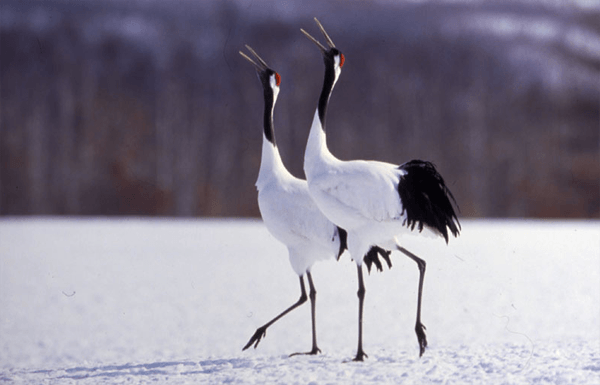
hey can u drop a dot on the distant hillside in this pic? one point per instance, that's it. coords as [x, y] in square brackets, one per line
[146, 108]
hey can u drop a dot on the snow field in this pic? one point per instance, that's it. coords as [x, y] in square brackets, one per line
[173, 301]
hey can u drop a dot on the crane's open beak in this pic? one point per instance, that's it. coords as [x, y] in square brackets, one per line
[327, 38]
[261, 66]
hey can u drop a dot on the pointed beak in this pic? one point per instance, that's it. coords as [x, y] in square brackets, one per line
[319, 45]
[327, 38]
[261, 66]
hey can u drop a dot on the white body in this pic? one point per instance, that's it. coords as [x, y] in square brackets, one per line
[359, 196]
[290, 214]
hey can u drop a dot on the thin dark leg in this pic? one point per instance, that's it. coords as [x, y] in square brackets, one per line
[262, 331]
[360, 354]
[419, 327]
[313, 300]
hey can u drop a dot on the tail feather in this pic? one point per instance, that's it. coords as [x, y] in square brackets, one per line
[426, 199]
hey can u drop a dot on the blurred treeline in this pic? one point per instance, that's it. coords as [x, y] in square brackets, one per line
[146, 108]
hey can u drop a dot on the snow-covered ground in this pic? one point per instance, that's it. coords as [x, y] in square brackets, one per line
[174, 301]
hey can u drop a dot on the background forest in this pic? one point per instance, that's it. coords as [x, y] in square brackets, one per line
[146, 107]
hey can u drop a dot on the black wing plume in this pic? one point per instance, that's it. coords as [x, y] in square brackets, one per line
[426, 199]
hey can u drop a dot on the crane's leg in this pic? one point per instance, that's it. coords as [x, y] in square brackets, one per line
[262, 331]
[360, 354]
[313, 300]
[419, 327]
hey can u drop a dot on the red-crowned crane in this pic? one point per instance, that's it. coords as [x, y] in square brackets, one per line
[375, 202]
[289, 212]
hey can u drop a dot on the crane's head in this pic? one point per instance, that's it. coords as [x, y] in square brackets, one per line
[332, 56]
[268, 77]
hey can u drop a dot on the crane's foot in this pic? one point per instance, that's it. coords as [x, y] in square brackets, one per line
[421, 337]
[258, 335]
[315, 350]
[360, 356]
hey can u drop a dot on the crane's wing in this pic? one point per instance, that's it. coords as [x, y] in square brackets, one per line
[361, 188]
[292, 216]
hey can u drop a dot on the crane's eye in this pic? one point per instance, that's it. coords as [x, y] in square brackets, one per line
[342, 59]
[277, 79]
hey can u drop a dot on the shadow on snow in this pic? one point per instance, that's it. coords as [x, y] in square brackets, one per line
[170, 368]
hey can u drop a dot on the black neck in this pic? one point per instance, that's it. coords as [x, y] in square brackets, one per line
[326, 92]
[268, 117]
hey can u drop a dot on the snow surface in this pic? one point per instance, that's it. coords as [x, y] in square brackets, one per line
[98, 301]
